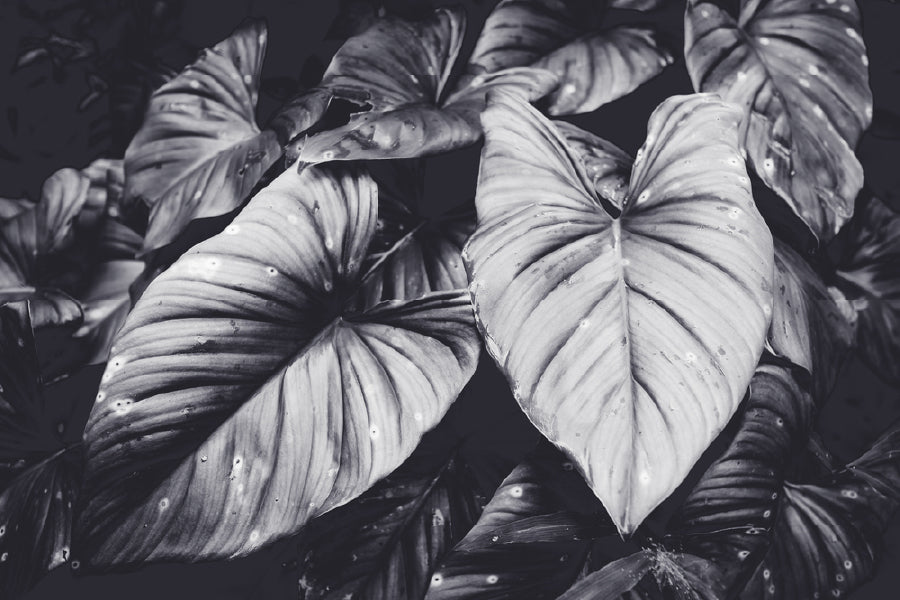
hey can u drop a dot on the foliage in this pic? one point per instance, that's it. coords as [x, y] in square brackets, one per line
[286, 321]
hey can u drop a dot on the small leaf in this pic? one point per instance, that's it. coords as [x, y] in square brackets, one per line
[386, 543]
[869, 274]
[238, 386]
[636, 4]
[613, 580]
[199, 152]
[825, 542]
[601, 67]
[629, 341]
[38, 476]
[809, 326]
[800, 73]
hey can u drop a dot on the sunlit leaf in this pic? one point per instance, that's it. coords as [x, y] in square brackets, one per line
[38, 477]
[601, 67]
[813, 326]
[826, 540]
[628, 341]
[386, 543]
[199, 152]
[870, 276]
[241, 400]
[800, 72]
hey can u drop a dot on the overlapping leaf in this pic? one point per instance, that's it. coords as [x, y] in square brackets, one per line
[870, 276]
[826, 539]
[611, 330]
[400, 69]
[605, 163]
[38, 476]
[241, 399]
[813, 326]
[800, 72]
[199, 152]
[530, 541]
[386, 543]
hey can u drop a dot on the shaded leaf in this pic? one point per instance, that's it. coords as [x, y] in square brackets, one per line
[636, 4]
[386, 543]
[601, 67]
[825, 542]
[812, 325]
[238, 386]
[606, 164]
[199, 152]
[869, 274]
[799, 71]
[622, 318]
[613, 580]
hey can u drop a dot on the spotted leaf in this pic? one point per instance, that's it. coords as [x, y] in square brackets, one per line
[628, 341]
[239, 389]
[799, 70]
[868, 274]
[199, 151]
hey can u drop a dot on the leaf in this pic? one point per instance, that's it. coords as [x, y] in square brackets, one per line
[530, 541]
[636, 4]
[651, 323]
[608, 166]
[601, 67]
[812, 326]
[826, 539]
[38, 478]
[385, 543]
[727, 517]
[869, 274]
[199, 152]
[800, 73]
[400, 69]
[613, 580]
[238, 366]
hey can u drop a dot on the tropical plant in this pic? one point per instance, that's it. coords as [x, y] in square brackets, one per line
[286, 320]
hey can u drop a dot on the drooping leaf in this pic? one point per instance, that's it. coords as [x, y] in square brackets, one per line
[400, 69]
[606, 164]
[812, 325]
[826, 540]
[869, 275]
[530, 541]
[199, 152]
[601, 67]
[728, 515]
[38, 477]
[799, 71]
[386, 543]
[628, 341]
[239, 389]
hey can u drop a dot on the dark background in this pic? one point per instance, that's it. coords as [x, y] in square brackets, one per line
[68, 68]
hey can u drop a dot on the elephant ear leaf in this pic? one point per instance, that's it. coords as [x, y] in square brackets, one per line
[38, 473]
[869, 274]
[385, 544]
[825, 541]
[813, 325]
[236, 392]
[800, 72]
[533, 538]
[628, 341]
[728, 515]
[199, 152]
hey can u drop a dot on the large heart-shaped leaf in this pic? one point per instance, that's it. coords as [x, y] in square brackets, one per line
[239, 388]
[38, 476]
[800, 72]
[869, 274]
[199, 152]
[628, 341]
[400, 69]
[727, 517]
[601, 67]
[826, 539]
[813, 325]
[386, 543]
[530, 542]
